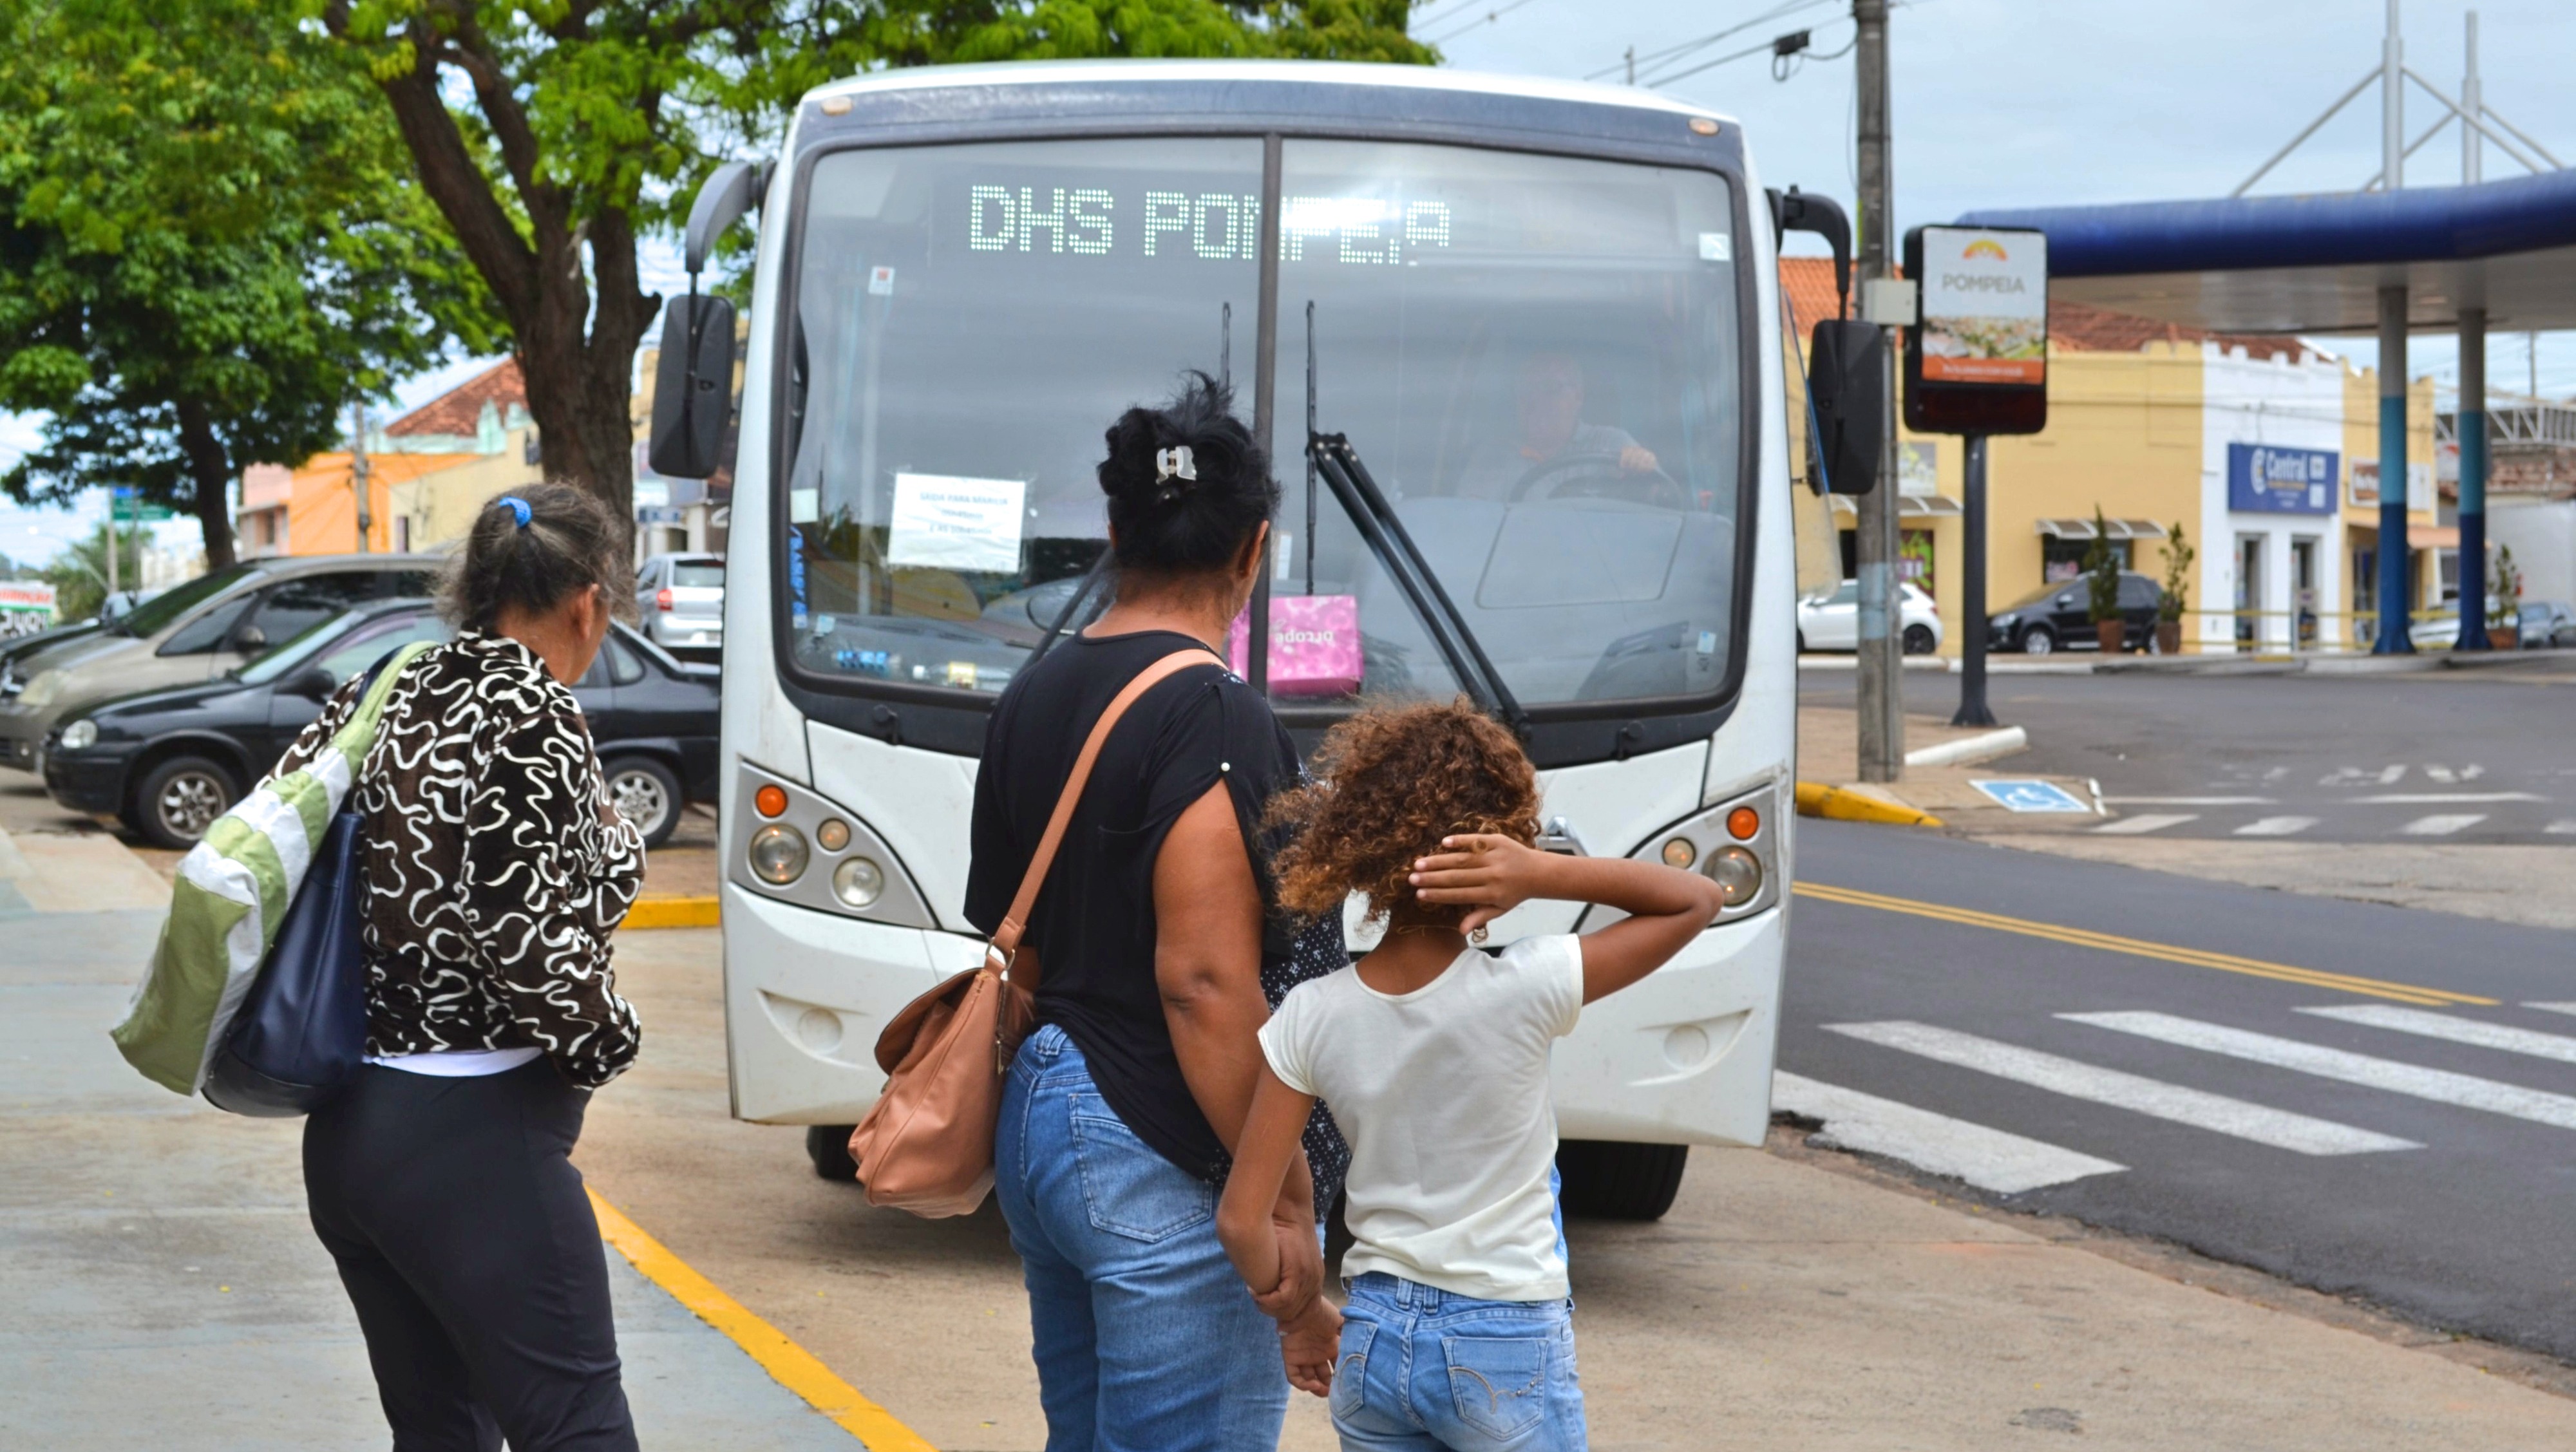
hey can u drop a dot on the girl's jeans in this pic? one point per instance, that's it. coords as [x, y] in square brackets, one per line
[1423, 1370]
[1146, 1340]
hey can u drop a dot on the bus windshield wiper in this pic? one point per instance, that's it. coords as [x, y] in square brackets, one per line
[1339, 465]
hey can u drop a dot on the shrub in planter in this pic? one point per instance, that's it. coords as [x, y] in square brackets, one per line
[2170, 605]
[2102, 586]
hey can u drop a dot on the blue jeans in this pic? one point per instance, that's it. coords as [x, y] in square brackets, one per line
[1146, 1340]
[1424, 1370]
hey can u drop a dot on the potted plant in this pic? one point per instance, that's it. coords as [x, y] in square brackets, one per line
[2504, 626]
[2102, 587]
[2169, 606]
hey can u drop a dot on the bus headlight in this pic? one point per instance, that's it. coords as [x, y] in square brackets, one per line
[778, 853]
[858, 881]
[81, 735]
[1737, 873]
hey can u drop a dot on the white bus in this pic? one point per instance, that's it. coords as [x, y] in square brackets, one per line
[1515, 349]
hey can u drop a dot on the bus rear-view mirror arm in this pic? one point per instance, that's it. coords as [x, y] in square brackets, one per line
[693, 379]
[1846, 360]
[1387, 538]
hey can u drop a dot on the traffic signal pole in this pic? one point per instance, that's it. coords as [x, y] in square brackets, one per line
[1881, 642]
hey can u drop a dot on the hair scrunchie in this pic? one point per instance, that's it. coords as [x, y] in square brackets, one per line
[518, 508]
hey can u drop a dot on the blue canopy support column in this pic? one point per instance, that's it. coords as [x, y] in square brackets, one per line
[2392, 638]
[2473, 476]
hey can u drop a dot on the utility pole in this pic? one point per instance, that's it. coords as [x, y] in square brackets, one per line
[2472, 413]
[111, 544]
[1882, 692]
[359, 478]
[1632, 63]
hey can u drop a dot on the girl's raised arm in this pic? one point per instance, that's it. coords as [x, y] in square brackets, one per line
[1491, 875]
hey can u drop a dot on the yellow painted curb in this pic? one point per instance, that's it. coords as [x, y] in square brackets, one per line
[796, 1368]
[672, 912]
[1815, 799]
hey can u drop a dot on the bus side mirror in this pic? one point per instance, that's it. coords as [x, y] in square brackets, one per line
[1847, 384]
[692, 387]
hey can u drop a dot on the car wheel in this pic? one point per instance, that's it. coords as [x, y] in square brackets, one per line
[2038, 640]
[1614, 1181]
[1918, 640]
[180, 798]
[646, 793]
[828, 1146]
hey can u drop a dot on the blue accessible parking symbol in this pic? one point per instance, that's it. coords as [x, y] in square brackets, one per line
[2032, 796]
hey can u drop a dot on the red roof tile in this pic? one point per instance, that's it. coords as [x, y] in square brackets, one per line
[460, 409]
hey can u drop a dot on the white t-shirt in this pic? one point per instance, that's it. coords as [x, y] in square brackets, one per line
[1443, 1094]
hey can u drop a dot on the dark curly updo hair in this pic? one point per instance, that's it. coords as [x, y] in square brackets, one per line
[566, 540]
[1392, 781]
[1168, 526]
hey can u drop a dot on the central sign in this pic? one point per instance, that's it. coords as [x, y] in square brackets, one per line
[2270, 479]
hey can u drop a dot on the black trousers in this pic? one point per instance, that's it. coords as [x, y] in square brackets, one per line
[471, 1254]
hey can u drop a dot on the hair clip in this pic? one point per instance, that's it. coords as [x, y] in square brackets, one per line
[1177, 461]
[518, 507]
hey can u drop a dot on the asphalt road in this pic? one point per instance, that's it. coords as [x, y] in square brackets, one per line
[2456, 756]
[2362, 1158]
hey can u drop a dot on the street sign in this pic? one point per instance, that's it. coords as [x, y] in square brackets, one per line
[1977, 363]
[2032, 795]
[122, 492]
[146, 513]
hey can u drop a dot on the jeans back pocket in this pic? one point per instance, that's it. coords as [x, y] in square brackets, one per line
[1499, 1383]
[1350, 1366]
[1127, 1188]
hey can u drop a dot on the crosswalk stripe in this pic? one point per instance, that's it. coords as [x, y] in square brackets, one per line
[2440, 1085]
[2276, 827]
[2566, 828]
[2553, 1007]
[2078, 1080]
[2144, 823]
[1990, 1159]
[2457, 1030]
[2442, 824]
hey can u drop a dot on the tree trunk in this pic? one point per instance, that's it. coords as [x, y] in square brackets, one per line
[210, 469]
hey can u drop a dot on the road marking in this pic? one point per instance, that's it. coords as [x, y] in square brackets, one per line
[2442, 774]
[795, 1368]
[2440, 1085]
[2441, 824]
[2391, 775]
[2562, 829]
[2457, 1030]
[2139, 826]
[2189, 801]
[1987, 1158]
[2435, 799]
[2553, 1007]
[2078, 1080]
[2276, 827]
[2140, 947]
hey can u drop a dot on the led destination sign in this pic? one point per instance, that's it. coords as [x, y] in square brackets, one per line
[1206, 225]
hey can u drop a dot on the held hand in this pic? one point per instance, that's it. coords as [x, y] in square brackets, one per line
[1637, 459]
[1491, 875]
[1301, 1273]
[1309, 1345]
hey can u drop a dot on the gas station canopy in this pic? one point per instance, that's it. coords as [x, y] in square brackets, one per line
[2315, 264]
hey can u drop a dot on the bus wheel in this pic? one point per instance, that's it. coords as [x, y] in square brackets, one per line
[828, 1146]
[1611, 1181]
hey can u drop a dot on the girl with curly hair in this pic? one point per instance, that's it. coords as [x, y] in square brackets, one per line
[1434, 1055]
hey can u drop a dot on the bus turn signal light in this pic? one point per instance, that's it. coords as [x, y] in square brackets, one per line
[1742, 823]
[770, 800]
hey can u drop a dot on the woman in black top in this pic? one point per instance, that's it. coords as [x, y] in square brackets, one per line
[1151, 938]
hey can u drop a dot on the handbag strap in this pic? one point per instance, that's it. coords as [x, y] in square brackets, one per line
[1005, 944]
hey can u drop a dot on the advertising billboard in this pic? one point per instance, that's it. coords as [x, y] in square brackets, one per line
[2270, 479]
[1977, 360]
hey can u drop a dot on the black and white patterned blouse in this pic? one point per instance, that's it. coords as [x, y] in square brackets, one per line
[495, 868]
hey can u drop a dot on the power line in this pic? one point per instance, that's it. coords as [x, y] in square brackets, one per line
[1675, 52]
[1488, 18]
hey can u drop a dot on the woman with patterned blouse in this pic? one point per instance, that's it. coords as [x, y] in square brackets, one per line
[495, 870]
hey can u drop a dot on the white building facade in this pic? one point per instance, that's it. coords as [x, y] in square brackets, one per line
[2272, 482]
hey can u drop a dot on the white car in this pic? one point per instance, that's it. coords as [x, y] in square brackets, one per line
[1830, 619]
[681, 598]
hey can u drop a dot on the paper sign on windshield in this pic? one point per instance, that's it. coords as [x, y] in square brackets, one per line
[1985, 306]
[945, 522]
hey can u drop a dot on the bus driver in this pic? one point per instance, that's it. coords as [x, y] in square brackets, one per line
[1549, 403]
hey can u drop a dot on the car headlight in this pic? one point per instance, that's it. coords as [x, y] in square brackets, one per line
[81, 735]
[42, 690]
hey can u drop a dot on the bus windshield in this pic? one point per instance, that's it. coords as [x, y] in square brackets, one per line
[1538, 357]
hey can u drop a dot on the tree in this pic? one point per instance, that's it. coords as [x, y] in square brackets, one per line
[209, 245]
[593, 121]
[79, 572]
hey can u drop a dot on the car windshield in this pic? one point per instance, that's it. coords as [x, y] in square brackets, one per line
[698, 574]
[297, 648]
[1537, 358]
[2044, 592]
[155, 614]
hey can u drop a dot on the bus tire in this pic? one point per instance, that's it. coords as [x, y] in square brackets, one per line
[1605, 1180]
[828, 1146]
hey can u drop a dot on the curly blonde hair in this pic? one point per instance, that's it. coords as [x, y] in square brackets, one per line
[1392, 781]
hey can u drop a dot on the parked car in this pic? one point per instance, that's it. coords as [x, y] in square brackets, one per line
[169, 761]
[681, 598]
[2548, 623]
[1830, 619]
[2060, 617]
[191, 633]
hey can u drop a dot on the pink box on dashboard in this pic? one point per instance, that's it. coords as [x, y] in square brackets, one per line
[1314, 645]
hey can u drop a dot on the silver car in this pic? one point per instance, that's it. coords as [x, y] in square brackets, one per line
[681, 599]
[191, 632]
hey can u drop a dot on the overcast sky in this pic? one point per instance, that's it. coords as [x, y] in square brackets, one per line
[1996, 103]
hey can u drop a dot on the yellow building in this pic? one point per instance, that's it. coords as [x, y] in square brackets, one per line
[428, 473]
[2150, 422]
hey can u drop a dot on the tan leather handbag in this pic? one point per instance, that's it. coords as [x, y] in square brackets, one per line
[927, 1144]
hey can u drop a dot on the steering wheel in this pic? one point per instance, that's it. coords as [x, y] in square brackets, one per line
[1602, 479]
